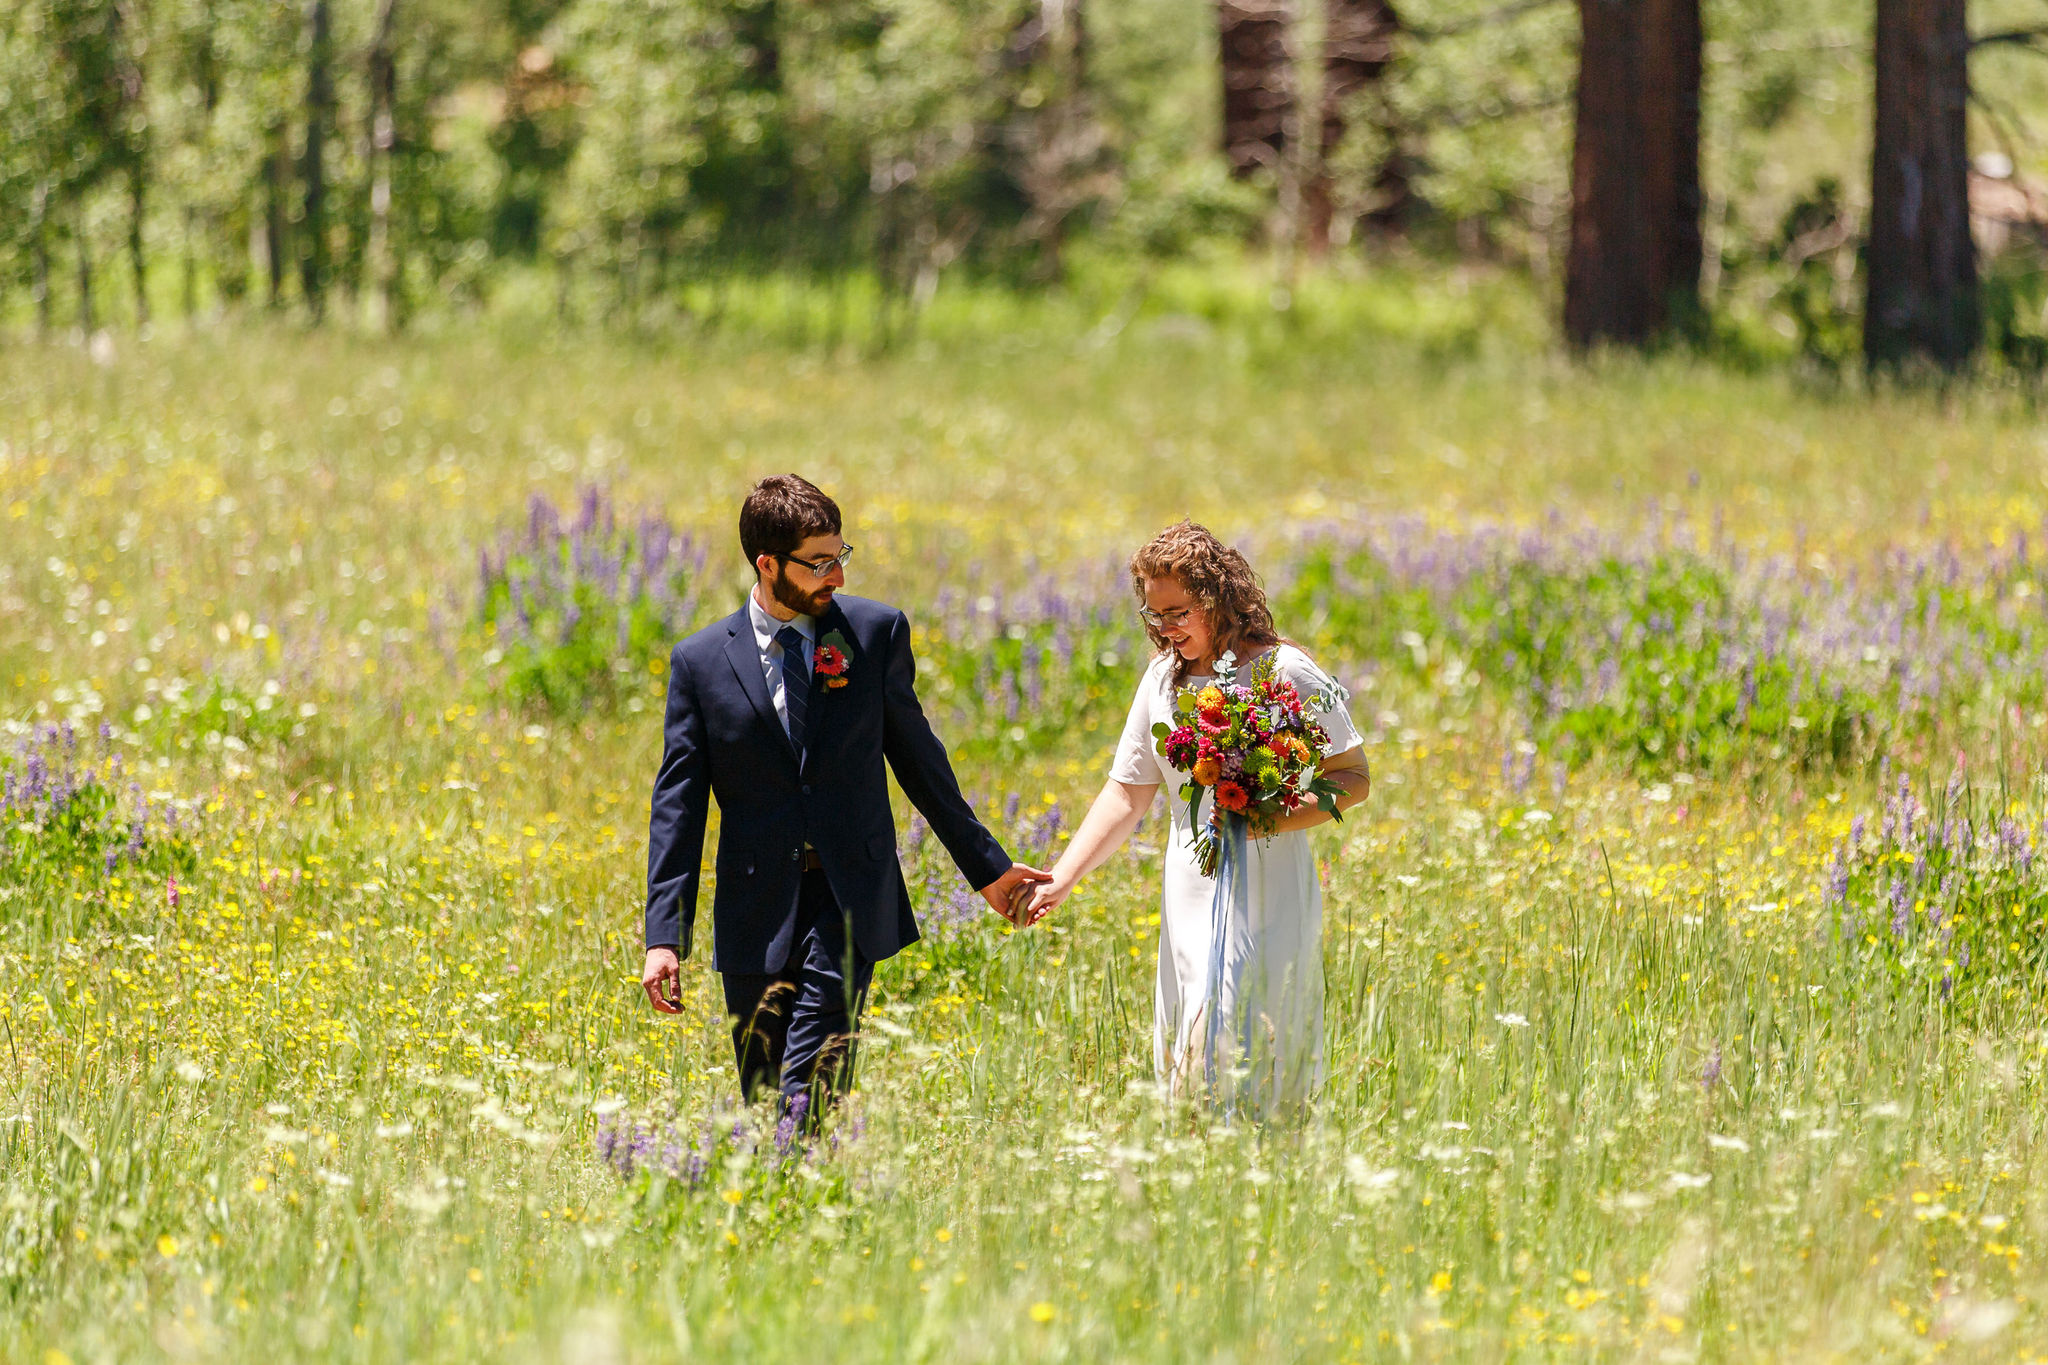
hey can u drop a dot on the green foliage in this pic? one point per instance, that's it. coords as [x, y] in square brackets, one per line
[71, 837]
[2016, 310]
[645, 156]
[1949, 899]
[581, 615]
[1013, 687]
[1657, 660]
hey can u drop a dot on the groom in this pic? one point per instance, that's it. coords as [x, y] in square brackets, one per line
[785, 712]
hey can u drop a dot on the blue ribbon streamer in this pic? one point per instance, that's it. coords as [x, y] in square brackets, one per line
[1227, 906]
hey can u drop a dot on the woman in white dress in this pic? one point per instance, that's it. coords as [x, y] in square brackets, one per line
[1200, 601]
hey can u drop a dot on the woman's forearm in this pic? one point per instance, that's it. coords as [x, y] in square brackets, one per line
[1115, 813]
[1347, 771]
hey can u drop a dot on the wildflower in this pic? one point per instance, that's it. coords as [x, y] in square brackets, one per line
[1511, 1020]
[1043, 1312]
[167, 1246]
[1710, 1075]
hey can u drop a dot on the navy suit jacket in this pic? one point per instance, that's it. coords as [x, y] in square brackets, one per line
[724, 740]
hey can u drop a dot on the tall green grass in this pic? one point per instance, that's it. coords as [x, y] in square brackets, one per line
[1606, 1080]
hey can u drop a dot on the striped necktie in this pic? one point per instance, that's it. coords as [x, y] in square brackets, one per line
[796, 685]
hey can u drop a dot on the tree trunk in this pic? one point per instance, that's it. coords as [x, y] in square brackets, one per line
[1634, 266]
[383, 139]
[86, 319]
[136, 264]
[1258, 83]
[313, 166]
[757, 28]
[276, 170]
[39, 247]
[1922, 292]
[1358, 45]
[1058, 144]
[190, 292]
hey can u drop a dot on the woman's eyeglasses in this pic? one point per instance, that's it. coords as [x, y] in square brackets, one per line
[1165, 620]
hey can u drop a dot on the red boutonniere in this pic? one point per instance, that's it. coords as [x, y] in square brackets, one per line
[830, 660]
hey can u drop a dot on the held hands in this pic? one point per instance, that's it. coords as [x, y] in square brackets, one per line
[1006, 893]
[1045, 899]
[662, 979]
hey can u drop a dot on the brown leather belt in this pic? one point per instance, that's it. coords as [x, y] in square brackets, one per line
[812, 862]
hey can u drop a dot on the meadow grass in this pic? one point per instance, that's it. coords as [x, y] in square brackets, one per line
[320, 933]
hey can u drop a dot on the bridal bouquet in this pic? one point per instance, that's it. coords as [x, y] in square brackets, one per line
[1252, 742]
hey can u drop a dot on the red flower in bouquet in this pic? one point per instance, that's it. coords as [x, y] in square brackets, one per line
[1231, 797]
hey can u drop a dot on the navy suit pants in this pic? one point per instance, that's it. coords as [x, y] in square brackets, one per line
[795, 1029]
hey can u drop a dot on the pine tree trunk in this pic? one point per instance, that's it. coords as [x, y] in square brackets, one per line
[276, 169]
[39, 247]
[757, 27]
[1922, 283]
[1258, 83]
[136, 263]
[87, 321]
[1634, 267]
[383, 139]
[313, 167]
[190, 293]
[1358, 45]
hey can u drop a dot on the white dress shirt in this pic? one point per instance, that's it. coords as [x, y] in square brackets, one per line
[765, 627]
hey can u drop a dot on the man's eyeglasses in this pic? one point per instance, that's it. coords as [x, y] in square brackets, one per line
[1165, 620]
[822, 567]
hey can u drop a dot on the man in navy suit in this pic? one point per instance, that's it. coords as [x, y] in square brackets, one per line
[786, 712]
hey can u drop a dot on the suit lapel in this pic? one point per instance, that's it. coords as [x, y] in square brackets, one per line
[745, 657]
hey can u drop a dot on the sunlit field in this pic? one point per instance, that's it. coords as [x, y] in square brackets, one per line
[1686, 971]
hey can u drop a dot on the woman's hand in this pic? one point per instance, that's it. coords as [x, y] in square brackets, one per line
[1349, 771]
[1108, 823]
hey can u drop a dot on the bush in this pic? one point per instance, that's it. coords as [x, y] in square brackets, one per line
[583, 610]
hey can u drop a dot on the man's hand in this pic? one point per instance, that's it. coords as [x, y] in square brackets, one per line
[662, 979]
[1002, 892]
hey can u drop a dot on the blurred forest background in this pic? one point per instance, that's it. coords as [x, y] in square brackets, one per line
[1828, 182]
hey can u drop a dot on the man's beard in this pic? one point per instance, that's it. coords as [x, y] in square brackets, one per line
[796, 599]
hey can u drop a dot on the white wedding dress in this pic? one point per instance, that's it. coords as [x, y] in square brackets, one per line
[1269, 991]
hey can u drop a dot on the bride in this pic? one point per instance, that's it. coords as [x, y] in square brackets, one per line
[1200, 602]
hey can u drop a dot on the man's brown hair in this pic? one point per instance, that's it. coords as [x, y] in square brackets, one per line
[781, 512]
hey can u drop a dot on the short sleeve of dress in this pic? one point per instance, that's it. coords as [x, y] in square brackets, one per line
[1309, 680]
[1136, 761]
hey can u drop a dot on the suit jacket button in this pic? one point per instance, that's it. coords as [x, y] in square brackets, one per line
[807, 789]
[796, 854]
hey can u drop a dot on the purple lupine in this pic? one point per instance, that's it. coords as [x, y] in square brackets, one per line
[1837, 889]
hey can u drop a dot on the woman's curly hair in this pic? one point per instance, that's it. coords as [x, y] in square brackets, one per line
[1219, 579]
